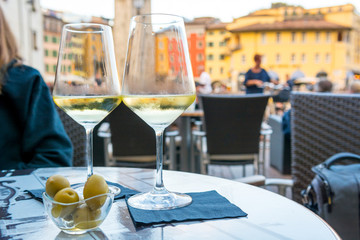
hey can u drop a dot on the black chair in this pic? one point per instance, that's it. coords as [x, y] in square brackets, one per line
[129, 141]
[322, 124]
[232, 124]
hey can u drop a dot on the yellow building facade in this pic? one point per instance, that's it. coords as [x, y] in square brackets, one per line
[293, 38]
[216, 51]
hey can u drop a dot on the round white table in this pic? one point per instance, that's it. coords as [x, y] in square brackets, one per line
[270, 216]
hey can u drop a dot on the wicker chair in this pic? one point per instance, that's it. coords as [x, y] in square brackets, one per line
[232, 124]
[77, 136]
[322, 124]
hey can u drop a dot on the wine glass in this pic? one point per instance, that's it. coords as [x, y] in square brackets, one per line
[86, 83]
[158, 86]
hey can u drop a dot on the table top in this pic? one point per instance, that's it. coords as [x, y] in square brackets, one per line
[270, 216]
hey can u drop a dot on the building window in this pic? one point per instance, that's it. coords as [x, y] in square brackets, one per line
[34, 36]
[278, 36]
[199, 44]
[243, 59]
[348, 58]
[222, 32]
[210, 57]
[161, 57]
[293, 58]
[328, 58]
[161, 45]
[54, 68]
[46, 38]
[200, 57]
[263, 38]
[340, 36]
[328, 37]
[278, 59]
[54, 53]
[46, 52]
[222, 44]
[303, 58]
[348, 37]
[54, 40]
[172, 58]
[210, 70]
[210, 33]
[210, 44]
[69, 68]
[293, 37]
[221, 70]
[303, 37]
[317, 37]
[222, 56]
[47, 67]
[317, 58]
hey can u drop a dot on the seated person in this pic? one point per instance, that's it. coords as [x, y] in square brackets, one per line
[31, 132]
[323, 86]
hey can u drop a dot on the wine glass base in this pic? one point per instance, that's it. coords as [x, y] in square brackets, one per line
[159, 201]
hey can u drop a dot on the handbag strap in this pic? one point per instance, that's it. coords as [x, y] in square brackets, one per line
[340, 157]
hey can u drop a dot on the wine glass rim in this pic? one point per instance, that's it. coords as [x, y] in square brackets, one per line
[175, 18]
[100, 27]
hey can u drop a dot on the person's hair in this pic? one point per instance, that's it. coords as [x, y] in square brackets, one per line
[324, 86]
[257, 57]
[355, 86]
[8, 47]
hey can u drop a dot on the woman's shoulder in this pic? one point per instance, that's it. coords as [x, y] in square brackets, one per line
[22, 79]
[22, 72]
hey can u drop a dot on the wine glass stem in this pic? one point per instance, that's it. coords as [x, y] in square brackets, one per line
[159, 185]
[89, 150]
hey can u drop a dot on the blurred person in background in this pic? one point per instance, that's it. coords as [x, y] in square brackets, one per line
[323, 86]
[31, 132]
[355, 86]
[256, 77]
[203, 86]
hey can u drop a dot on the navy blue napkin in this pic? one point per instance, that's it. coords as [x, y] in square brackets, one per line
[37, 193]
[204, 206]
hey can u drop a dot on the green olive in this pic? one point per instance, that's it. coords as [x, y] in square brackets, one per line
[55, 183]
[85, 218]
[94, 186]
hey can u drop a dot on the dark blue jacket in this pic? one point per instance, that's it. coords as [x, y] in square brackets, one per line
[31, 132]
[262, 75]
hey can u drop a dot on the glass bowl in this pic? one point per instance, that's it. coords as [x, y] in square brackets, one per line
[79, 217]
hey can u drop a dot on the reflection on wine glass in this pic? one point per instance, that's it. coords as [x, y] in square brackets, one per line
[158, 86]
[86, 83]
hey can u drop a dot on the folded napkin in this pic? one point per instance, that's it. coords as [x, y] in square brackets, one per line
[205, 205]
[37, 193]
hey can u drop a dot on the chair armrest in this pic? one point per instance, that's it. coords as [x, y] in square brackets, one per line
[199, 133]
[255, 180]
[172, 133]
[104, 130]
[279, 182]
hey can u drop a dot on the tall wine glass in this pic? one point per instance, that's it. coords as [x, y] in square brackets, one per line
[86, 83]
[158, 86]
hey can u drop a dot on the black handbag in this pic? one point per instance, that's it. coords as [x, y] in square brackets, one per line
[334, 193]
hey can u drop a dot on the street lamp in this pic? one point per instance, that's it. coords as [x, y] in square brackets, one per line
[138, 4]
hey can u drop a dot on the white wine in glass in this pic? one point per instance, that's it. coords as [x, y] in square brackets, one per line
[158, 86]
[86, 83]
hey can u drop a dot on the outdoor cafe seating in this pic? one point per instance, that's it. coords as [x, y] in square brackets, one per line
[232, 130]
